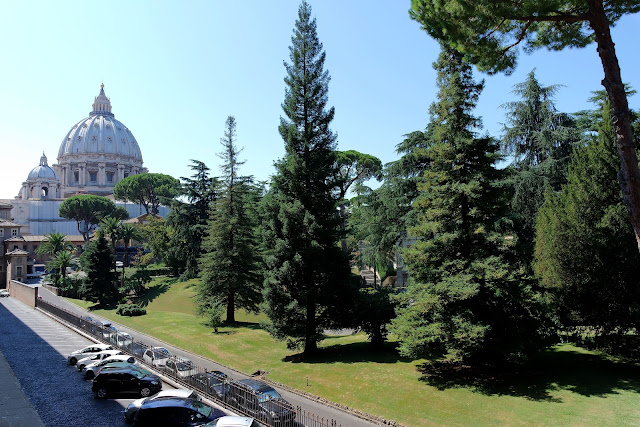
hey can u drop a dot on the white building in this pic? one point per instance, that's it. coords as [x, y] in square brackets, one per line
[96, 153]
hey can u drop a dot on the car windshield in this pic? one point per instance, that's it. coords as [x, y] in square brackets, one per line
[138, 374]
[184, 366]
[202, 408]
[268, 395]
[160, 353]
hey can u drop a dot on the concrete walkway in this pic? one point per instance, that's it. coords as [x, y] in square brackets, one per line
[367, 274]
[15, 408]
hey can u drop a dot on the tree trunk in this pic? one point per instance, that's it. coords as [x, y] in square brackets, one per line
[342, 229]
[629, 174]
[231, 307]
[310, 344]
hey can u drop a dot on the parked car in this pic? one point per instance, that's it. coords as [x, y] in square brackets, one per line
[180, 368]
[156, 356]
[90, 370]
[174, 412]
[108, 330]
[4, 293]
[261, 401]
[87, 352]
[133, 407]
[229, 421]
[125, 380]
[123, 365]
[215, 383]
[121, 339]
[96, 358]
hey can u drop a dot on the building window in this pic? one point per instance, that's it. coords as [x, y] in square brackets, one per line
[110, 176]
[93, 176]
[1, 267]
[14, 232]
[126, 174]
[19, 271]
[1, 232]
[15, 247]
[76, 177]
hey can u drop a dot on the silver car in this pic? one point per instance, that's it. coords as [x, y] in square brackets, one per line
[133, 407]
[88, 351]
[156, 356]
[92, 369]
[95, 358]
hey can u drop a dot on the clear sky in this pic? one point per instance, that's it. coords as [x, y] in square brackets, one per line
[175, 70]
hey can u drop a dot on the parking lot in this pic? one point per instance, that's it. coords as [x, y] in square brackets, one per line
[35, 347]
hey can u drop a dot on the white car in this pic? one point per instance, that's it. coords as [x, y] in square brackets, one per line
[156, 356]
[133, 407]
[87, 352]
[92, 369]
[4, 293]
[229, 421]
[179, 367]
[96, 358]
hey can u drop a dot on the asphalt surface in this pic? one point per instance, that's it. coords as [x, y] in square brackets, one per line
[35, 347]
[315, 407]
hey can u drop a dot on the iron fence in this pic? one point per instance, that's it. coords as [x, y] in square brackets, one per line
[250, 397]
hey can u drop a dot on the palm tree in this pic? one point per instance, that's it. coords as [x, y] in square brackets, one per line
[61, 262]
[128, 232]
[54, 243]
[111, 228]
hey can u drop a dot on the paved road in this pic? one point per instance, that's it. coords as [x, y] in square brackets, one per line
[310, 405]
[35, 346]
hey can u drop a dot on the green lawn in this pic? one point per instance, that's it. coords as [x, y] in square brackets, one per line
[565, 386]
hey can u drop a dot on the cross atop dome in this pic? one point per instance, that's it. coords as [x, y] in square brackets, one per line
[101, 104]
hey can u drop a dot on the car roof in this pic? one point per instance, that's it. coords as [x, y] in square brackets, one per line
[256, 385]
[231, 421]
[178, 392]
[169, 401]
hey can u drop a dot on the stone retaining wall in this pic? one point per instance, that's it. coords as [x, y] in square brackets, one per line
[24, 293]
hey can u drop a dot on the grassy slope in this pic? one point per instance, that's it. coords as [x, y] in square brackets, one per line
[567, 386]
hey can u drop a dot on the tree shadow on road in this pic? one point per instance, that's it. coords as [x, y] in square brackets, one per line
[563, 368]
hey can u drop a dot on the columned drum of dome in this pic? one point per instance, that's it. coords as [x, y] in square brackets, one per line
[97, 152]
[42, 182]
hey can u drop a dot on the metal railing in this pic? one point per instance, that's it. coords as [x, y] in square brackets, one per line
[250, 397]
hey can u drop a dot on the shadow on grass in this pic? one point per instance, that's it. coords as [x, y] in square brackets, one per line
[555, 369]
[350, 353]
[154, 292]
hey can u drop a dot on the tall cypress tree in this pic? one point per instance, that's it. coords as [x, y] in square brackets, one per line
[465, 301]
[228, 266]
[306, 271]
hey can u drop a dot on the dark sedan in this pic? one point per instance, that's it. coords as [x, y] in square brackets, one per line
[175, 412]
[125, 380]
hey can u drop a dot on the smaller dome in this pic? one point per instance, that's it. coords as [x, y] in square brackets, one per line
[43, 171]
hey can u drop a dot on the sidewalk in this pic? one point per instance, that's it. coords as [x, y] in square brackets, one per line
[15, 408]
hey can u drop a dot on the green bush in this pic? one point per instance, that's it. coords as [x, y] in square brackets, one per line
[130, 310]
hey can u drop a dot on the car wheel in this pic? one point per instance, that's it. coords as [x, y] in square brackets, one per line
[130, 418]
[145, 392]
[101, 393]
[73, 361]
[89, 375]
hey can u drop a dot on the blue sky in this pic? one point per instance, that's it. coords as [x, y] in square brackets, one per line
[175, 70]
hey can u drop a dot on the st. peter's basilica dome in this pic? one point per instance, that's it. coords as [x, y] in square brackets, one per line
[98, 152]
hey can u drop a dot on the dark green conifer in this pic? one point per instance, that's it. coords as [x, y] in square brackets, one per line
[465, 300]
[306, 272]
[229, 264]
